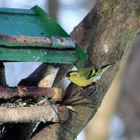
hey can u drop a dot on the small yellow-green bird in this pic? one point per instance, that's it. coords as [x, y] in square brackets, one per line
[86, 76]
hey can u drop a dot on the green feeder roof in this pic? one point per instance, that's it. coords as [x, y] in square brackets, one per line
[31, 35]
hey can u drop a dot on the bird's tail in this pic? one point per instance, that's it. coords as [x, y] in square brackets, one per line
[105, 67]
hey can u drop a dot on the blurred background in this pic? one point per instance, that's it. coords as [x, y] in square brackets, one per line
[118, 117]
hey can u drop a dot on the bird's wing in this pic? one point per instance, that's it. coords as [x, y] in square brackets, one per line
[87, 72]
[92, 73]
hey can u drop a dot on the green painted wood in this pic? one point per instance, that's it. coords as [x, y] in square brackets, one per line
[42, 55]
[82, 57]
[33, 23]
[30, 35]
[50, 22]
[17, 11]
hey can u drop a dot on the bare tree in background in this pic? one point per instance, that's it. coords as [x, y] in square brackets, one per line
[88, 4]
[105, 33]
[129, 101]
[53, 6]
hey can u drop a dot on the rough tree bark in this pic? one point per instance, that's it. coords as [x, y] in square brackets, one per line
[106, 33]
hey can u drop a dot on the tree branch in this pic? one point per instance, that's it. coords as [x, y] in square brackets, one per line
[112, 29]
[24, 91]
[48, 113]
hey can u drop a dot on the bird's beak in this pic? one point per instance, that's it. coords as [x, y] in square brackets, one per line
[68, 74]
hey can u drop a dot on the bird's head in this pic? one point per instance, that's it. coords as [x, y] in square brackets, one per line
[72, 74]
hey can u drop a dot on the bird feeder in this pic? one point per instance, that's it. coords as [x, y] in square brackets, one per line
[30, 35]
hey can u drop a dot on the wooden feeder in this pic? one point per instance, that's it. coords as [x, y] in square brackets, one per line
[30, 35]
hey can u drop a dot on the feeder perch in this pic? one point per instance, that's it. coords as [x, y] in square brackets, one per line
[30, 35]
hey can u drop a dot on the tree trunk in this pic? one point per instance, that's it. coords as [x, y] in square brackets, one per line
[105, 33]
[53, 6]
